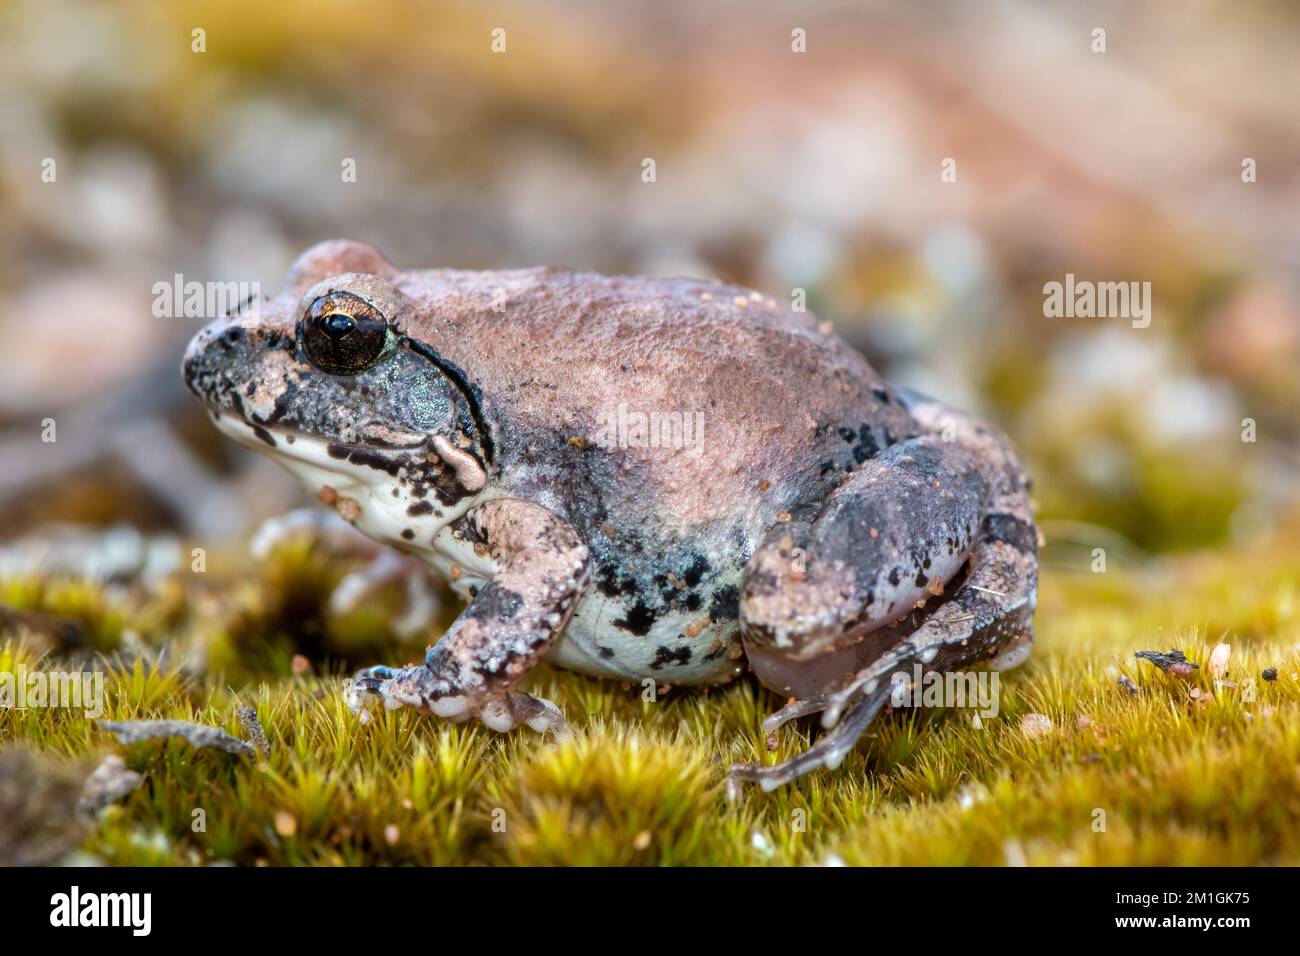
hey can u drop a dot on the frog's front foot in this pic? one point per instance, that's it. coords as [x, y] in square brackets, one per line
[420, 687]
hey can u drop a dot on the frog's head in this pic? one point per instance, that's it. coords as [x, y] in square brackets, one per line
[326, 380]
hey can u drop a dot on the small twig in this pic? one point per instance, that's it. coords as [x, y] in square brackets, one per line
[197, 735]
[253, 729]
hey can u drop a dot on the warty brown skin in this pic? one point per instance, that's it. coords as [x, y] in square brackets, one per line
[817, 518]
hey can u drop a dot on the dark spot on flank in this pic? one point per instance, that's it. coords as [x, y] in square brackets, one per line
[666, 655]
[265, 435]
[609, 585]
[605, 652]
[695, 572]
[726, 604]
[867, 447]
[1011, 530]
[418, 508]
[495, 602]
[408, 534]
[882, 396]
[893, 576]
[693, 601]
[845, 433]
[639, 620]
[921, 579]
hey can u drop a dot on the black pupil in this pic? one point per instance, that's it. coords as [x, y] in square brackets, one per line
[342, 334]
[337, 324]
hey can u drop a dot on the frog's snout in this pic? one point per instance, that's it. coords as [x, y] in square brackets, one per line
[216, 351]
[222, 358]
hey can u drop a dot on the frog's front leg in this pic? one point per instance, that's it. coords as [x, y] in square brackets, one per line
[541, 570]
[925, 556]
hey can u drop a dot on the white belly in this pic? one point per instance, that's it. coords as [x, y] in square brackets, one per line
[592, 644]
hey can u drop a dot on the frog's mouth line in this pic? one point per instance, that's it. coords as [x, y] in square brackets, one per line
[307, 457]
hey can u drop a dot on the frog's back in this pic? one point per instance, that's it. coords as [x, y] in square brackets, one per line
[574, 353]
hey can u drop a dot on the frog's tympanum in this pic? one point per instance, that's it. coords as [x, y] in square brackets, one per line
[635, 478]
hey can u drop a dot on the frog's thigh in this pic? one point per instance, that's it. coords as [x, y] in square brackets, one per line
[889, 538]
[474, 669]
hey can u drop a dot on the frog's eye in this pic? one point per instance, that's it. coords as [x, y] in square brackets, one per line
[342, 334]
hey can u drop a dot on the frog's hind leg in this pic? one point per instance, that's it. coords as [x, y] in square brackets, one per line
[835, 587]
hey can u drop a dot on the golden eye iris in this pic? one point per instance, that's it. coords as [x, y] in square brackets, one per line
[342, 334]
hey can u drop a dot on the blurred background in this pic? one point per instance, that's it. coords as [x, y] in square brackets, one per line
[818, 170]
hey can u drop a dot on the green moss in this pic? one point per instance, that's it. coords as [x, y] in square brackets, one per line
[1182, 773]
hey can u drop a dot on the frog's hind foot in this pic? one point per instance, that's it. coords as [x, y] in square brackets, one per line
[793, 711]
[829, 750]
[986, 621]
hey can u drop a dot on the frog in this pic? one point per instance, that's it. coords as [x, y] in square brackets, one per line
[639, 478]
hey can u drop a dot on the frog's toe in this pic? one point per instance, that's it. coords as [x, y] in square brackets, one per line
[392, 686]
[314, 523]
[793, 711]
[829, 750]
[418, 687]
[509, 711]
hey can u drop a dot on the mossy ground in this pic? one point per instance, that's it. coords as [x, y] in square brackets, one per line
[1182, 773]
